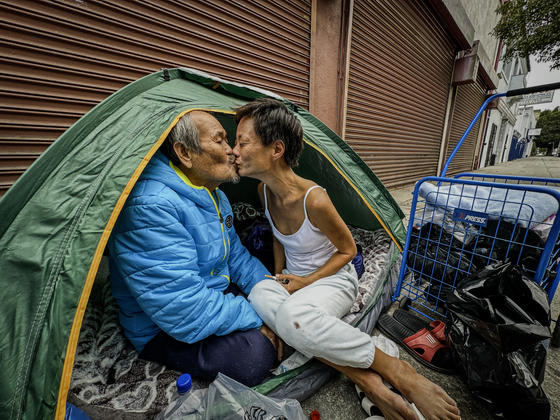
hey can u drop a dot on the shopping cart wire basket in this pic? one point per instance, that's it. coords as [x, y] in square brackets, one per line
[459, 225]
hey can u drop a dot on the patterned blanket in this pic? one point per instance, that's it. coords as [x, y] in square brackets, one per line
[110, 381]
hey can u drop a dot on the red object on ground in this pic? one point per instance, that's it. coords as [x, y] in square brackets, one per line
[315, 415]
[424, 344]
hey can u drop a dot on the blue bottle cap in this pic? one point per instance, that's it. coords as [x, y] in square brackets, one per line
[184, 383]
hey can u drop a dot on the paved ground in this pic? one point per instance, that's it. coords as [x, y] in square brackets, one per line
[337, 399]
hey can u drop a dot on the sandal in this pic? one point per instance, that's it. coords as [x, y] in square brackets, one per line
[415, 323]
[422, 345]
[374, 411]
[370, 408]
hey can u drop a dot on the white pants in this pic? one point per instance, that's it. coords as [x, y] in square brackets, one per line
[309, 319]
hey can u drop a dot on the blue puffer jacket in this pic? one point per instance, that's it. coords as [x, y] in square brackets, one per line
[171, 259]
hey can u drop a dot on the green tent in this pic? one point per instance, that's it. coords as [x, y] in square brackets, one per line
[56, 219]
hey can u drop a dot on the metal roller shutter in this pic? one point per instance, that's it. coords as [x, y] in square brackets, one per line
[400, 69]
[469, 99]
[58, 59]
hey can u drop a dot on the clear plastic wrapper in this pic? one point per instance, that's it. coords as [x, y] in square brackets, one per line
[226, 399]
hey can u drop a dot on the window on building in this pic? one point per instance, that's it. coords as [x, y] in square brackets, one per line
[507, 70]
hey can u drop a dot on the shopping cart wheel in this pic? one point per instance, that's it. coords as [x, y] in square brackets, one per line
[405, 303]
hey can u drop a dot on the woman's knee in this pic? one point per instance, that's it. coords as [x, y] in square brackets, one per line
[293, 323]
[265, 298]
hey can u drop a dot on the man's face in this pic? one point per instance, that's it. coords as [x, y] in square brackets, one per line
[215, 164]
[251, 156]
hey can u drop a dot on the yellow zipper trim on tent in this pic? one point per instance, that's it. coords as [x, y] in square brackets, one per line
[358, 192]
[82, 304]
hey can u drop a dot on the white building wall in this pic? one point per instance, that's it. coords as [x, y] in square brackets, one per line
[525, 121]
[506, 115]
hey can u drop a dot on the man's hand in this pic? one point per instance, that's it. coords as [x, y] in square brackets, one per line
[276, 341]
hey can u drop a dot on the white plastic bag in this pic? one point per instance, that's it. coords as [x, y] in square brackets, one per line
[294, 361]
[226, 399]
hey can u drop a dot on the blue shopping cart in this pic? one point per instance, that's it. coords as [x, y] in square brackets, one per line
[459, 225]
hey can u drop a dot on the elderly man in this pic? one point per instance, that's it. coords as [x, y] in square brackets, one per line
[177, 265]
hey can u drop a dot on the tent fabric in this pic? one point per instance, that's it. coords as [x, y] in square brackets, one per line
[59, 214]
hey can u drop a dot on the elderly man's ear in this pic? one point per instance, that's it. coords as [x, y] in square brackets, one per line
[184, 155]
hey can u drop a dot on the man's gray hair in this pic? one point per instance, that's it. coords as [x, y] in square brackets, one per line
[186, 133]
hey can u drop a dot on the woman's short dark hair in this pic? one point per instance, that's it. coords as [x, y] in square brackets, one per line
[272, 120]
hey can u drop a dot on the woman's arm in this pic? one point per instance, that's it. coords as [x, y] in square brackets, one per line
[279, 255]
[323, 215]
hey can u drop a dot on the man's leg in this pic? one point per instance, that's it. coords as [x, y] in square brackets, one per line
[246, 356]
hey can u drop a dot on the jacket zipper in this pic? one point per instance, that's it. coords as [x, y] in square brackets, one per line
[219, 212]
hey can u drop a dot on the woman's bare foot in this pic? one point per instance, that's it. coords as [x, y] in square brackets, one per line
[391, 405]
[432, 401]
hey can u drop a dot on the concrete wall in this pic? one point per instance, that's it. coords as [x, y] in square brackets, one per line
[326, 38]
[483, 18]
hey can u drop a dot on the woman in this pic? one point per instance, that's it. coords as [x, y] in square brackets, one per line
[316, 283]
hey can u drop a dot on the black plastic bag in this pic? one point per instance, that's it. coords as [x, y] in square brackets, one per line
[498, 319]
[259, 243]
[503, 305]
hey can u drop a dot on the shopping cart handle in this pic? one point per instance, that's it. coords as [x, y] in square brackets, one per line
[533, 89]
[515, 92]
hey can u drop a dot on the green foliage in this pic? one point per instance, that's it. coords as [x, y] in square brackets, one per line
[549, 121]
[530, 27]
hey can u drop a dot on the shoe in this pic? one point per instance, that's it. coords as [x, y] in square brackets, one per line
[370, 408]
[415, 323]
[422, 345]
[374, 411]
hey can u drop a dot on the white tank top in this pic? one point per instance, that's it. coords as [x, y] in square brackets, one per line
[307, 249]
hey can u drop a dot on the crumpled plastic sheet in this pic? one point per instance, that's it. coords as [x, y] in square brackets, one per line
[227, 399]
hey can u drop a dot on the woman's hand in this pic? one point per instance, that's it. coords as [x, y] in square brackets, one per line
[291, 282]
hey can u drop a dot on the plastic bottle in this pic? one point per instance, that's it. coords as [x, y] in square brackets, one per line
[184, 383]
[176, 408]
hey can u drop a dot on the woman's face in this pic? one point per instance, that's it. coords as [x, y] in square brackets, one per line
[251, 156]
